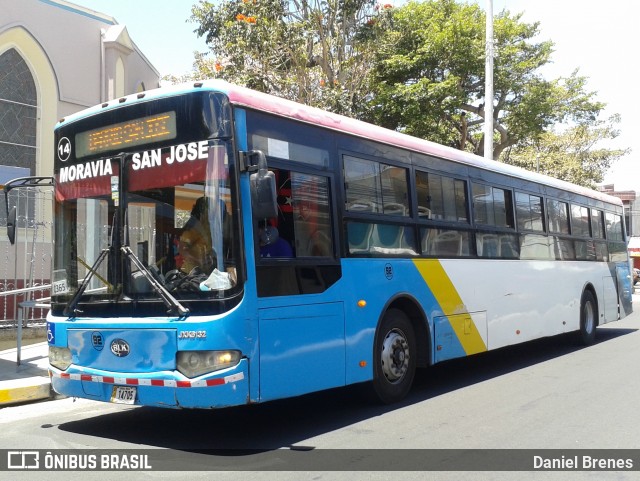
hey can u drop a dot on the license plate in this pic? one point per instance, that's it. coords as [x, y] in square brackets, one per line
[123, 394]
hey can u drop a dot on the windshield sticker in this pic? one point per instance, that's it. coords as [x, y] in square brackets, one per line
[59, 285]
[115, 191]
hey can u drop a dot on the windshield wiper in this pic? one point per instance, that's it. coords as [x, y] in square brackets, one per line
[171, 302]
[73, 303]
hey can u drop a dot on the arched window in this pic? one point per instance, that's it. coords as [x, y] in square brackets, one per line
[18, 112]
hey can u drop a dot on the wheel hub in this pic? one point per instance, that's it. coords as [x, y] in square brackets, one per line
[589, 317]
[395, 356]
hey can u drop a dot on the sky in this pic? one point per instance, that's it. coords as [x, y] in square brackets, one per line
[160, 28]
[597, 38]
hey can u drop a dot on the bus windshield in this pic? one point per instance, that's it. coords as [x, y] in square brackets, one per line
[159, 236]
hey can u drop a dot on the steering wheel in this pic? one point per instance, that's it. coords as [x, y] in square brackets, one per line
[177, 280]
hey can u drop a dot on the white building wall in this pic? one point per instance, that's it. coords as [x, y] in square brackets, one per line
[71, 37]
[73, 55]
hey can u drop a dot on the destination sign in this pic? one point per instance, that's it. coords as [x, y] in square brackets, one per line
[123, 135]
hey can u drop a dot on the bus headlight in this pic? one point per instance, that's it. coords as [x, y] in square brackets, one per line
[60, 357]
[196, 363]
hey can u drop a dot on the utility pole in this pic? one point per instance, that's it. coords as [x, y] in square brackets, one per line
[488, 88]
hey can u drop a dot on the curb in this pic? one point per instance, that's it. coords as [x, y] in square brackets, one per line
[35, 391]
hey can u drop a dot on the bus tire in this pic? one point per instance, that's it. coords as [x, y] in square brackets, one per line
[394, 357]
[586, 335]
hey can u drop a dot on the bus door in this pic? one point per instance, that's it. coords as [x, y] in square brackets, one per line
[301, 326]
[625, 288]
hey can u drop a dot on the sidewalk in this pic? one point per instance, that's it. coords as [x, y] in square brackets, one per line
[30, 380]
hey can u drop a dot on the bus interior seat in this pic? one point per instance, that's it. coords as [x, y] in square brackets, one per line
[393, 208]
[388, 236]
[361, 206]
[507, 247]
[448, 243]
[424, 212]
[359, 236]
[487, 245]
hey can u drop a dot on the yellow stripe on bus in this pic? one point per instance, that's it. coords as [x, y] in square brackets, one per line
[451, 304]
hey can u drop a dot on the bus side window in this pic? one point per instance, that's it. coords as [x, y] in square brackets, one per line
[275, 236]
[311, 215]
[303, 220]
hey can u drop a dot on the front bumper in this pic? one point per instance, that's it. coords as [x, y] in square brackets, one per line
[228, 387]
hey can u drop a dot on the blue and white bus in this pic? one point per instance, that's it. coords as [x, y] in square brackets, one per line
[216, 246]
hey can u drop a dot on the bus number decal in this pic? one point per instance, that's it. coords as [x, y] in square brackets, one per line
[64, 149]
[192, 335]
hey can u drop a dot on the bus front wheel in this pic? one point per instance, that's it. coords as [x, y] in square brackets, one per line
[394, 357]
[586, 335]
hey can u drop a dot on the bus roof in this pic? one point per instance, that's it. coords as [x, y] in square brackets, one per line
[286, 108]
[242, 96]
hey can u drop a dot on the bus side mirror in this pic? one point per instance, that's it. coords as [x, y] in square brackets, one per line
[11, 225]
[264, 199]
[33, 181]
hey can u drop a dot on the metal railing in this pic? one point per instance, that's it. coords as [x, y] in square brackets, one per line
[43, 303]
[25, 267]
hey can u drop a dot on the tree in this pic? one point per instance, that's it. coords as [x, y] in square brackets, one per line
[429, 79]
[310, 51]
[418, 69]
[575, 154]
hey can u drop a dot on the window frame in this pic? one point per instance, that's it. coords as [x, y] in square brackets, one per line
[509, 208]
[551, 211]
[466, 221]
[574, 222]
[291, 166]
[401, 209]
[542, 212]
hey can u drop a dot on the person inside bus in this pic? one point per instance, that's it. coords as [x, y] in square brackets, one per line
[271, 244]
[195, 242]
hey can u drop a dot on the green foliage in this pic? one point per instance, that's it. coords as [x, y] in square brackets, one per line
[575, 155]
[310, 51]
[418, 68]
[429, 78]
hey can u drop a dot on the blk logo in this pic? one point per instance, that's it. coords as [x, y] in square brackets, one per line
[120, 348]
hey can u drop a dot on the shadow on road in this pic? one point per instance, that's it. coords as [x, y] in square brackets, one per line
[286, 423]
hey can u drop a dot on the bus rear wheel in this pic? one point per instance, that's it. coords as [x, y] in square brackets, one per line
[586, 335]
[394, 357]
